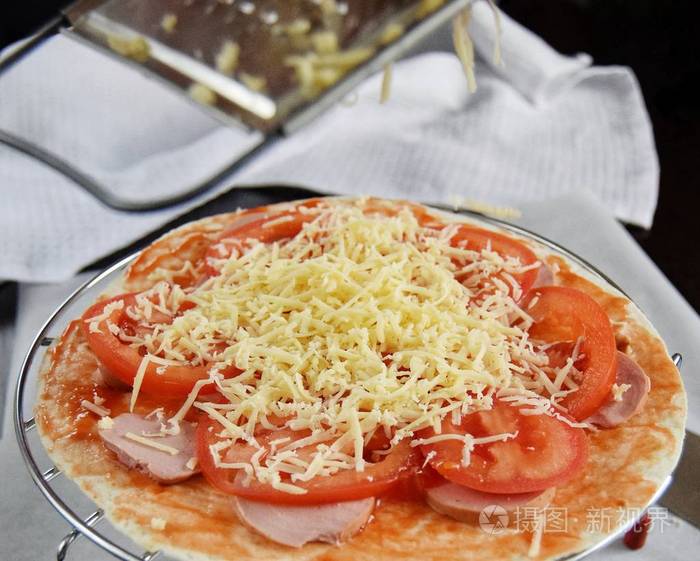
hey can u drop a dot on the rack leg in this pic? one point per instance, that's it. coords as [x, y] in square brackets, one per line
[66, 542]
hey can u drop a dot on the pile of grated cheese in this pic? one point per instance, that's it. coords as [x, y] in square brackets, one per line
[361, 323]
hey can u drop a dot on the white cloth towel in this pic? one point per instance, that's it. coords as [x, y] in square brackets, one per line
[541, 126]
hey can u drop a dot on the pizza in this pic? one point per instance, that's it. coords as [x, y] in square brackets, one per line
[347, 378]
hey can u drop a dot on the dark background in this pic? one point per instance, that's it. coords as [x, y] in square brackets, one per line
[657, 38]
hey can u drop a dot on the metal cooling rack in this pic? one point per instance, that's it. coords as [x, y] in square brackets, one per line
[74, 305]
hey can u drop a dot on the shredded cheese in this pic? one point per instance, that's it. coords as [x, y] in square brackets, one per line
[391, 33]
[94, 326]
[497, 59]
[201, 94]
[317, 71]
[460, 202]
[386, 85]
[138, 379]
[168, 22]
[227, 57]
[325, 42]
[298, 27]
[94, 408]
[426, 7]
[364, 322]
[253, 82]
[536, 542]
[464, 47]
[152, 443]
[618, 391]
[134, 47]
[329, 7]
[158, 523]
[105, 423]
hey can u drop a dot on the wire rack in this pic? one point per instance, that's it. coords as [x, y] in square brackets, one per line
[44, 477]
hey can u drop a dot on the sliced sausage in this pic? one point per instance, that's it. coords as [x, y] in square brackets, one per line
[545, 276]
[296, 525]
[162, 466]
[612, 413]
[465, 504]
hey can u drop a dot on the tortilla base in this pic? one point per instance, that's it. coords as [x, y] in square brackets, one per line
[626, 467]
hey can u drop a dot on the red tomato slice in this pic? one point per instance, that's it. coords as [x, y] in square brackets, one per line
[545, 453]
[564, 314]
[478, 239]
[123, 361]
[376, 479]
[422, 214]
[234, 239]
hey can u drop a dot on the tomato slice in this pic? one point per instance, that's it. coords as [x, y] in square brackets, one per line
[422, 214]
[478, 239]
[266, 230]
[123, 361]
[562, 315]
[347, 485]
[545, 453]
[289, 223]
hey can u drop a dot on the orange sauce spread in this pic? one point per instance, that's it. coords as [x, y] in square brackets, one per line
[403, 526]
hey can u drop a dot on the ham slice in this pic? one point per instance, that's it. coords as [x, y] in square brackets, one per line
[465, 504]
[160, 465]
[295, 526]
[612, 413]
[545, 276]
